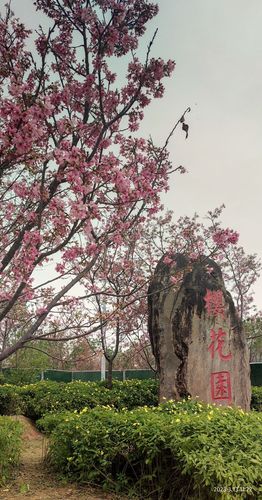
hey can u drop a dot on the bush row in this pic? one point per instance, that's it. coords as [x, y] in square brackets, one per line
[11, 401]
[17, 376]
[10, 445]
[256, 399]
[35, 400]
[177, 450]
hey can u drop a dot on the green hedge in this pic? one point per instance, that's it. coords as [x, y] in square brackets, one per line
[256, 399]
[11, 400]
[35, 400]
[10, 446]
[55, 397]
[17, 376]
[176, 450]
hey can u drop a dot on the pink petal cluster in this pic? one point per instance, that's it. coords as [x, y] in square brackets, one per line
[224, 237]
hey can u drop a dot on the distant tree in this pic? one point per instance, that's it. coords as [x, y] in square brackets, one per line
[138, 356]
[85, 355]
[31, 357]
[253, 331]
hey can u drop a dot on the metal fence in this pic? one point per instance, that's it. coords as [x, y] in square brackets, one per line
[84, 376]
[256, 373]
[95, 376]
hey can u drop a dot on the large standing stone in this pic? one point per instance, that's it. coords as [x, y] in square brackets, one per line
[196, 336]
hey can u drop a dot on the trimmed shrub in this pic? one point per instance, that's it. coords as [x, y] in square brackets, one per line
[50, 421]
[53, 397]
[17, 376]
[256, 399]
[177, 450]
[133, 393]
[10, 446]
[11, 401]
[36, 400]
[46, 397]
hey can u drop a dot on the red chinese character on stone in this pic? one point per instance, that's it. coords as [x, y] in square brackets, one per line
[214, 303]
[221, 386]
[217, 343]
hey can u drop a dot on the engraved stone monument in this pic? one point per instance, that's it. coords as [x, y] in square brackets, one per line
[196, 336]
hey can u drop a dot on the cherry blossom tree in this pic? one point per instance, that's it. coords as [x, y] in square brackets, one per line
[78, 186]
[119, 301]
[122, 280]
[193, 237]
[75, 175]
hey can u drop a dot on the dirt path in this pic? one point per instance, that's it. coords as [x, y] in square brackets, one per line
[36, 483]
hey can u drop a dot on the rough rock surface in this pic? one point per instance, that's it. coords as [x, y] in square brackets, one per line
[196, 336]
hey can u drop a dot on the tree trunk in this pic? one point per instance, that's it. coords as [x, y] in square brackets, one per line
[110, 374]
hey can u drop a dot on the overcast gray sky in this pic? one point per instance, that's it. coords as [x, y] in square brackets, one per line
[217, 46]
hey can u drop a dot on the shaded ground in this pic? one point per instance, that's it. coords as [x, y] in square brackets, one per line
[35, 482]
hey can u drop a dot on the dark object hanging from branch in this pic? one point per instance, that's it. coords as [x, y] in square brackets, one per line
[185, 127]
